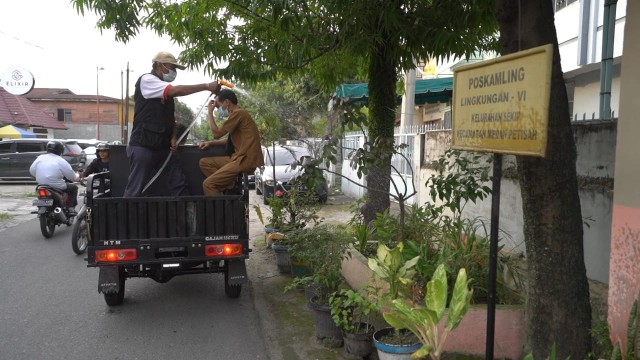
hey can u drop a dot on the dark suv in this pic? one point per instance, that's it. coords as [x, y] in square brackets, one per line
[17, 155]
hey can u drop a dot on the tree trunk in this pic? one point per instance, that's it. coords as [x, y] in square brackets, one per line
[558, 309]
[382, 103]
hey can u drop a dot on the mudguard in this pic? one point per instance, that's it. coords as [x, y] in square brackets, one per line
[236, 272]
[109, 280]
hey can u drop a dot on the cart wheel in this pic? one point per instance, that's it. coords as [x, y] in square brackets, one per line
[79, 235]
[47, 226]
[232, 291]
[115, 299]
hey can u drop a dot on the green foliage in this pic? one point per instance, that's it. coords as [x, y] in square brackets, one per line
[286, 107]
[298, 283]
[437, 234]
[332, 41]
[321, 248]
[350, 308]
[261, 39]
[459, 179]
[5, 216]
[295, 210]
[390, 265]
[183, 113]
[423, 320]
[602, 347]
[552, 355]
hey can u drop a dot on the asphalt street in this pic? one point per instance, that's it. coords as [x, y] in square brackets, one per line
[51, 309]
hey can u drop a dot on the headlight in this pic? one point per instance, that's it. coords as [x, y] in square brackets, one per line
[268, 182]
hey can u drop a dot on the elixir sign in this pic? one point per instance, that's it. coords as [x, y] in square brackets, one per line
[502, 105]
[17, 81]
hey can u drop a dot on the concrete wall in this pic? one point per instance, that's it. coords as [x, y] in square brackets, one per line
[108, 133]
[587, 88]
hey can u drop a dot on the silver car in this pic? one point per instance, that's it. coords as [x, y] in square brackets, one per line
[285, 164]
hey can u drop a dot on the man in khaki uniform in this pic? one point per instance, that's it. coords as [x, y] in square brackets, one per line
[221, 172]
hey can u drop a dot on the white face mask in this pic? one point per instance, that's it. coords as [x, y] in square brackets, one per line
[222, 113]
[170, 76]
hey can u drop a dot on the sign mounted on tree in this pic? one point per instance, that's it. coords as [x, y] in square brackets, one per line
[502, 105]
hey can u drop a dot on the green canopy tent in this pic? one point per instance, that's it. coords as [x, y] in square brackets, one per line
[427, 91]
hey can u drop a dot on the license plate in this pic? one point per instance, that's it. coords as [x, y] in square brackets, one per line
[42, 202]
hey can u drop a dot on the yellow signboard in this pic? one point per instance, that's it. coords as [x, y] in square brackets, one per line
[502, 105]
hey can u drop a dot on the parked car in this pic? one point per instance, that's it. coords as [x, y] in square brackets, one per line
[89, 148]
[285, 162]
[17, 155]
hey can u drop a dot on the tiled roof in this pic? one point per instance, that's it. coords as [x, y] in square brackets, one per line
[54, 94]
[18, 110]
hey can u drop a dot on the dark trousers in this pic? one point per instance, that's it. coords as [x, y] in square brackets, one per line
[72, 191]
[144, 163]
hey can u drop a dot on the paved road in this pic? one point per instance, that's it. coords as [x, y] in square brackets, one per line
[50, 307]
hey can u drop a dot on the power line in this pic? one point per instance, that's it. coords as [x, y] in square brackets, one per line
[23, 41]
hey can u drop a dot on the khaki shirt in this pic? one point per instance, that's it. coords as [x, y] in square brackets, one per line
[245, 136]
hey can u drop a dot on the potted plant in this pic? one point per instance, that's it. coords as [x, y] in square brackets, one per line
[352, 312]
[322, 249]
[288, 214]
[423, 320]
[391, 266]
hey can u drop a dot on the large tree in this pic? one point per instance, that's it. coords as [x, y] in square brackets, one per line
[330, 39]
[558, 309]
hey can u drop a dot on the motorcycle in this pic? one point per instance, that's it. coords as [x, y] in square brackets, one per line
[80, 231]
[53, 209]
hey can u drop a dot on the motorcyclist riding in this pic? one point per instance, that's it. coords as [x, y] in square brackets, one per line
[100, 163]
[51, 169]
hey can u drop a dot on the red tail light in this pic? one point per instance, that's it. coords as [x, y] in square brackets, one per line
[115, 255]
[43, 193]
[223, 250]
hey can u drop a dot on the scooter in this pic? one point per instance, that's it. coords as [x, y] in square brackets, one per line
[53, 209]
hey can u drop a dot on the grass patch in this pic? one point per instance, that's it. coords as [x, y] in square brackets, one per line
[5, 216]
[29, 195]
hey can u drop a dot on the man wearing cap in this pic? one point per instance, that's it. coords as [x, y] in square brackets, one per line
[246, 155]
[153, 134]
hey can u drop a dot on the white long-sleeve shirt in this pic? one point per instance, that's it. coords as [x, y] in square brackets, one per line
[51, 169]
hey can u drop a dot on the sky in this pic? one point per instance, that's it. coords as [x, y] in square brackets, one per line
[62, 49]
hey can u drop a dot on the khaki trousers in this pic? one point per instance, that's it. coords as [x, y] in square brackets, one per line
[220, 173]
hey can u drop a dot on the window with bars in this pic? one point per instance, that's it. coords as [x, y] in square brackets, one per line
[64, 114]
[561, 4]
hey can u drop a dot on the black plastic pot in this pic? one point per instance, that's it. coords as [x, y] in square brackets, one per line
[326, 329]
[359, 344]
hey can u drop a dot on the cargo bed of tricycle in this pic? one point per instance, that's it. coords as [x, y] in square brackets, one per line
[160, 237]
